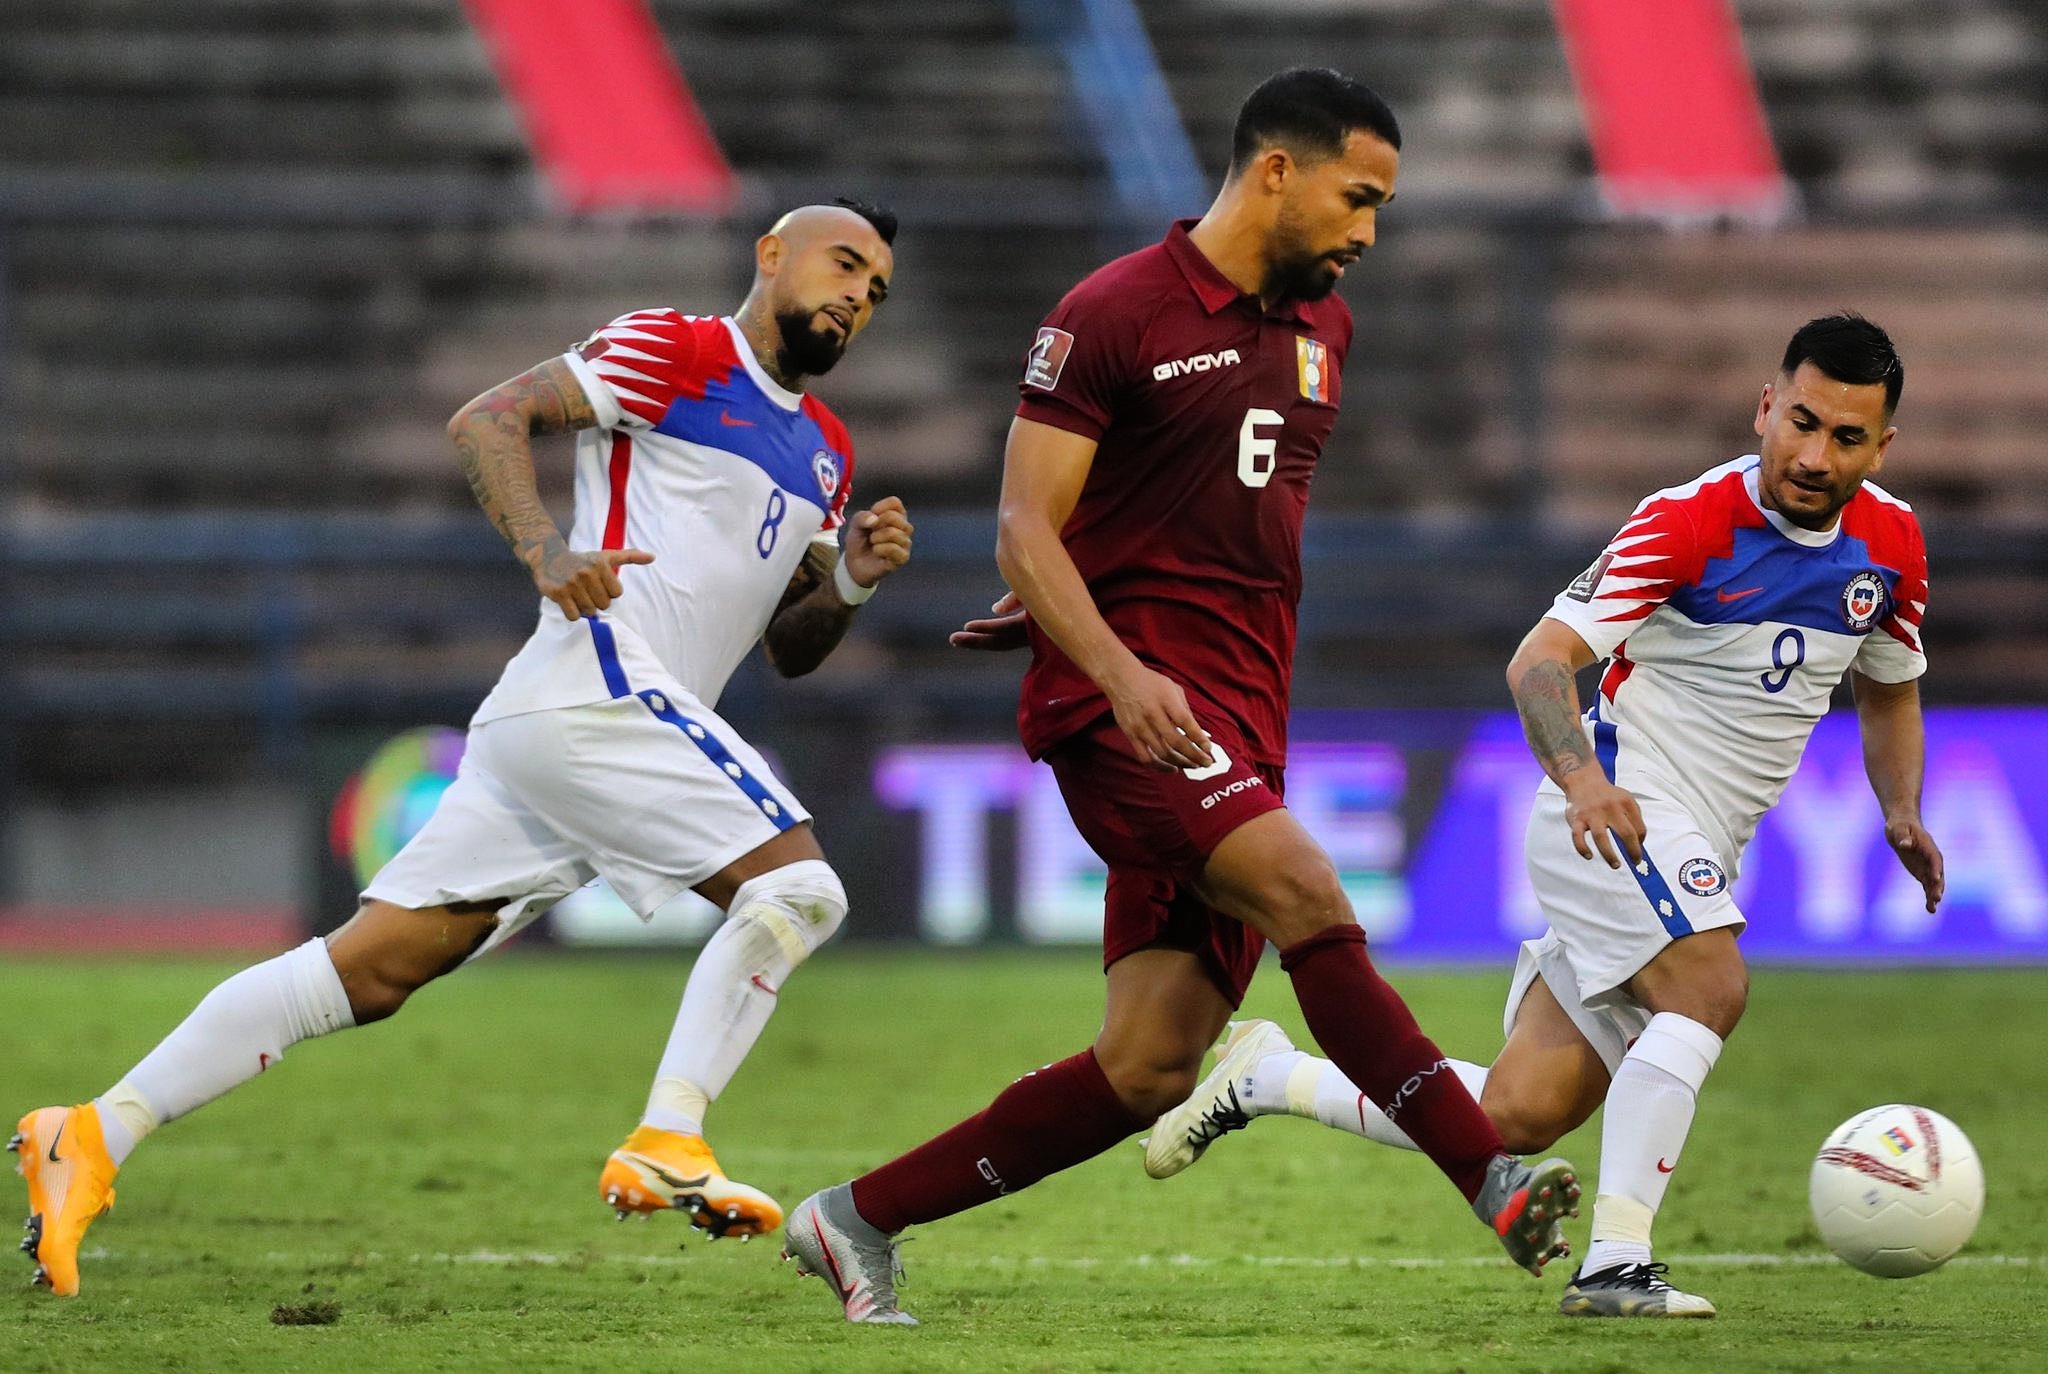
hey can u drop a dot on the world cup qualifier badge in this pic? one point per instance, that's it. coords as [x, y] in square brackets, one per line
[1048, 358]
[1586, 583]
[827, 469]
[1702, 877]
[1863, 600]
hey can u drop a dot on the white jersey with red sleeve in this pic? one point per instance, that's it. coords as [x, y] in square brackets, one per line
[703, 460]
[1728, 629]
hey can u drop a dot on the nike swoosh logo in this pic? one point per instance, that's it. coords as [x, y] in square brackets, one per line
[1664, 1168]
[1725, 597]
[57, 1137]
[725, 417]
[672, 1180]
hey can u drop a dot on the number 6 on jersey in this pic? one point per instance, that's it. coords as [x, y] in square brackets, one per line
[1255, 452]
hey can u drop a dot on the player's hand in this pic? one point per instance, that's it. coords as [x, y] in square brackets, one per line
[1003, 629]
[1921, 856]
[1153, 713]
[583, 582]
[877, 541]
[1600, 812]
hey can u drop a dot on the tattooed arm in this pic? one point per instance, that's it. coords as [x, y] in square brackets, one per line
[813, 616]
[811, 619]
[1543, 679]
[493, 435]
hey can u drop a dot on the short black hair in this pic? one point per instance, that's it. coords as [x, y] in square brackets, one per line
[1309, 111]
[883, 218]
[1851, 349]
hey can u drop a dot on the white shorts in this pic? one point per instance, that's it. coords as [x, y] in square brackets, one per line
[1608, 923]
[653, 792]
[1609, 1028]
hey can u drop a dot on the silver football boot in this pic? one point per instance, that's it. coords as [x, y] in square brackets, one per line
[1630, 1290]
[1525, 1207]
[827, 1237]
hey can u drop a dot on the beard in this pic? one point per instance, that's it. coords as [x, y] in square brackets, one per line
[1295, 270]
[1304, 279]
[808, 349]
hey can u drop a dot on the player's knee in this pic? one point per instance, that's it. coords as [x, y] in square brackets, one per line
[1152, 1089]
[376, 981]
[791, 910]
[1525, 1135]
[1715, 997]
[1149, 1078]
[1725, 1001]
[1528, 1121]
[1300, 900]
[387, 953]
[1701, 977]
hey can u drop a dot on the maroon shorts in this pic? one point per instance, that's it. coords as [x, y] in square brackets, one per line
[1156, 831]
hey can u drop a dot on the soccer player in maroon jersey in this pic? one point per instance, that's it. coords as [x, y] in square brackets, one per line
[1173, 409]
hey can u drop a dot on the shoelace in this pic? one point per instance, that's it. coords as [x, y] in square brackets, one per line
[1220, 1120]
[1649, 1276]
[1652, 1276]
[896, 1272]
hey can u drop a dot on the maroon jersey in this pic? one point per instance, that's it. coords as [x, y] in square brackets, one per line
[1209, 414]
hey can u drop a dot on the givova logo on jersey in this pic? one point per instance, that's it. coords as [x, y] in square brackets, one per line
[1863, 600]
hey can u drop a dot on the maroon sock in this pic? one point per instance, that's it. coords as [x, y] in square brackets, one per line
[1044, 1122]
[1369, 1033]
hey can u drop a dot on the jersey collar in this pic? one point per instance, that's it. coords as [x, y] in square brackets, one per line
[772, 389]
[1214, 290]
[1798, 534]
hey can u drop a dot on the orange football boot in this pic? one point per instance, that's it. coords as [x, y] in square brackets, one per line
[70, 1183]
[656, 1170]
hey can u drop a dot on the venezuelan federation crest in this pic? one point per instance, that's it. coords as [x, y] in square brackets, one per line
[1312, 368]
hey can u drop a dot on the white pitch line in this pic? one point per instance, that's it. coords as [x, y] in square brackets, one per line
[546, 1258]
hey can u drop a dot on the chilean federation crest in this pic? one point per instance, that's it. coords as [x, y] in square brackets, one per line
[1702, 877]
[827, 469]
[1863, 600]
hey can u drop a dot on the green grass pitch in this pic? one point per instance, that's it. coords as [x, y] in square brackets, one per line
[428, 1184]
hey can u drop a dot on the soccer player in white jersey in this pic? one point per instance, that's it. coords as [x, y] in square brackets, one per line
[710, 495]
[1728, 610]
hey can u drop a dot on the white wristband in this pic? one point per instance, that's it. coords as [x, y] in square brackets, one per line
[850, 591]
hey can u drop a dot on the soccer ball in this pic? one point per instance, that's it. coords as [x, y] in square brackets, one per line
[1896, 1190]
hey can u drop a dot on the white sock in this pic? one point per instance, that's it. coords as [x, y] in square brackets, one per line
[1648, 1113]
[726, 1005]
[1299, 1084]
[240, 1029]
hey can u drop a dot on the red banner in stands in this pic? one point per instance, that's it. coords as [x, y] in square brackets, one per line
[606, 111]
[1671, 109]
